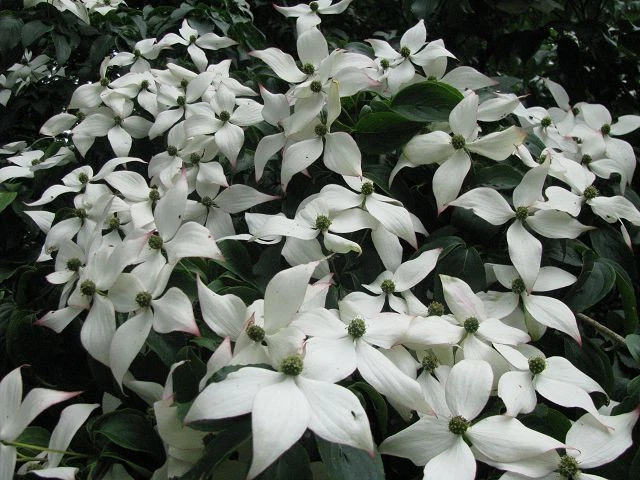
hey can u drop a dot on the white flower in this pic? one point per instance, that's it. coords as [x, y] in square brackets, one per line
[438, 442]
[308, 16]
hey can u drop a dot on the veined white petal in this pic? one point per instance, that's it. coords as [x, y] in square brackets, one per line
[98, 329]
[463, 117]
[283, 64]
[552, 278]
[525, 252]
[280, 407]
[336, 414]
[174, 313]
[394, 218]
[555, 224]
[233, 396]
[461, 300]
[238, 198]
[505, 439]
[192, 240]
[341, 154]
[457, 462]
[498, 145]
[468, 388]
[517, 392]
[449, 177]
[553, 313]
[411, 272]
[486, 203]
[434, 147]
[330, 359]
[224, 314]
[127, 342]
[284, 295]
[299, 156]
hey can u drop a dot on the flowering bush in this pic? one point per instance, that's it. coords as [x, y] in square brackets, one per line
[339, 260]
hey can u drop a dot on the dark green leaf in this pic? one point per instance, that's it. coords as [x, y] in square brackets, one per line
[63, 49]
[381, 132]
[9, 32]
[627, 295]
[463, 263]
[499, 177]
[291, 465]
[633, 344]
[378, 404]
[236, 258]
[548, 421]
[100, 48]
[6, 198]
[608, 243]
[130, 430]
[595, 281]
[219, 449]
[36, 436]
[348, 463]
[33, 31]
[426, 101]
[634, 468]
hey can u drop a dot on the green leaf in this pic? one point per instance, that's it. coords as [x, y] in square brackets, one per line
[627, 295]
[100, 48]
[36, 436]
[463, 263]
[382, 132]
[499, 177]
[33, 31]
[62, 46]
[349, 463]
[291, 465]
[130, 430]
[595, 281]
[378, 404]
[6, 198]
[219, 449]
[426, 101]
[633, 344]
[634, 468]
[548, 421]
[9, 32]
[608, 243]
[236, 258]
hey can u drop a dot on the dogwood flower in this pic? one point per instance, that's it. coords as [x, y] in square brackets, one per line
[439, 442]
[16, 413]
[288, 402]
[453, 152]
[308, 16]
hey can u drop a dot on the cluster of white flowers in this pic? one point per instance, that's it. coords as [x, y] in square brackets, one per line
[115, 255]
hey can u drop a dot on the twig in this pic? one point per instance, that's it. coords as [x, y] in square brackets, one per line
[601, 328]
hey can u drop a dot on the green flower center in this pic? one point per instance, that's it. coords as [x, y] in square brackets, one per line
[88, 288]
[144, 299]
[104, 82]
[568, 467]
[255, 333]
[81, 116]
[194, 158]
[313, 6]
[184, 83]
[458, 141]
[192, 39]
[388, 286]
[36, 161]
[435, 309]
[367, 189]
[357, 327]
[405, 52]
[321, 130]
[181, 101]
[172, 151]
[114, 222]
[208, 202]
[384, 63]
[155, 242]
[590, 192]
[323, 223]
[458, 425]
[154, 195]
[224, 116]
[537, 365]
[471, 325]
[83, 178]
[522, 213]
[292, 365]
[575, 110]
[80, 213]
[74, 264]
[316, 86]
[308, 69]
[430, 362]
[117, 120]
[136, 52]
[545, 122]
[587, 159]
[517, 286]
[605, 129]
[144, 84]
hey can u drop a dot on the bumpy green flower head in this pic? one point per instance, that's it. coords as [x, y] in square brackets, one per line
[292, 365]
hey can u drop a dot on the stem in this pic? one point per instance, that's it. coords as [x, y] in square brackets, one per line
[44, 449]
[602, 329]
